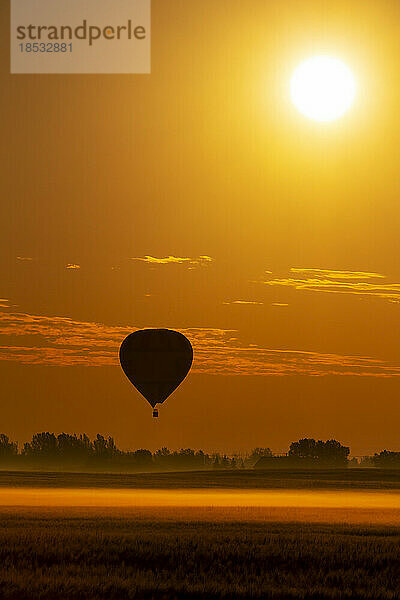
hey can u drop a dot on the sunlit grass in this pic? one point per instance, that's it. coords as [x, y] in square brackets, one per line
[74, 555]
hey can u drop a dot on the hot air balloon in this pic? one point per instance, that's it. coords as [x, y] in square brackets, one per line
[156, 361]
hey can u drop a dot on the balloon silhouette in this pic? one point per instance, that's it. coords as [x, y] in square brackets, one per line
[156, 361]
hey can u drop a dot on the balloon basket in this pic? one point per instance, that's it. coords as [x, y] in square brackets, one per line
[155, 413]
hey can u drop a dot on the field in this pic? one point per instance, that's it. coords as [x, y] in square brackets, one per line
[360, 479]
[204, 552]
[49, 554]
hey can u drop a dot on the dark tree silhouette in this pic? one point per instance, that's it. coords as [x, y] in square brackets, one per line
[79, 451]
[104, 448]
[333, 452]
[330, 452]
[386, 460]
[72, 447]
[305, 448]
[142, 458]
[8, 449]
[43, 445]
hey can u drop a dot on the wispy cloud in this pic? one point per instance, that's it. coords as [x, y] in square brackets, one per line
[72, 266]
[4, 303]
[280, 304]
[24, 258]
[339, 282]
[243, 302]
[41, 340]
[175, 260]
[332, 274]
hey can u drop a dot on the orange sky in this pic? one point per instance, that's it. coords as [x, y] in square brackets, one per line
[197, 198]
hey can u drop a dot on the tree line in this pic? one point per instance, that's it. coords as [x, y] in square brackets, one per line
[79, 451]
[72, 450]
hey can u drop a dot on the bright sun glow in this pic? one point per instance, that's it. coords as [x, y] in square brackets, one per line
[322, 88]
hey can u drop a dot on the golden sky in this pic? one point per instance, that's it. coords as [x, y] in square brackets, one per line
[197, 198]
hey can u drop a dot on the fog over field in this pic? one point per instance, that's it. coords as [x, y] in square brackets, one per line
[290, 534]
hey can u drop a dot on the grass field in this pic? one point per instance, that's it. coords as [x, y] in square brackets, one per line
[309, 549]
[94, 555]
[242, 479]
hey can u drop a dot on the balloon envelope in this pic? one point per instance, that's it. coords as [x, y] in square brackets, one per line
[156, 361]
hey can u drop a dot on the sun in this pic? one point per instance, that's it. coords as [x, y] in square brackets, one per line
[322, 88]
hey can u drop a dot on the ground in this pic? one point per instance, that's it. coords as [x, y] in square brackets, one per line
[279, 553]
